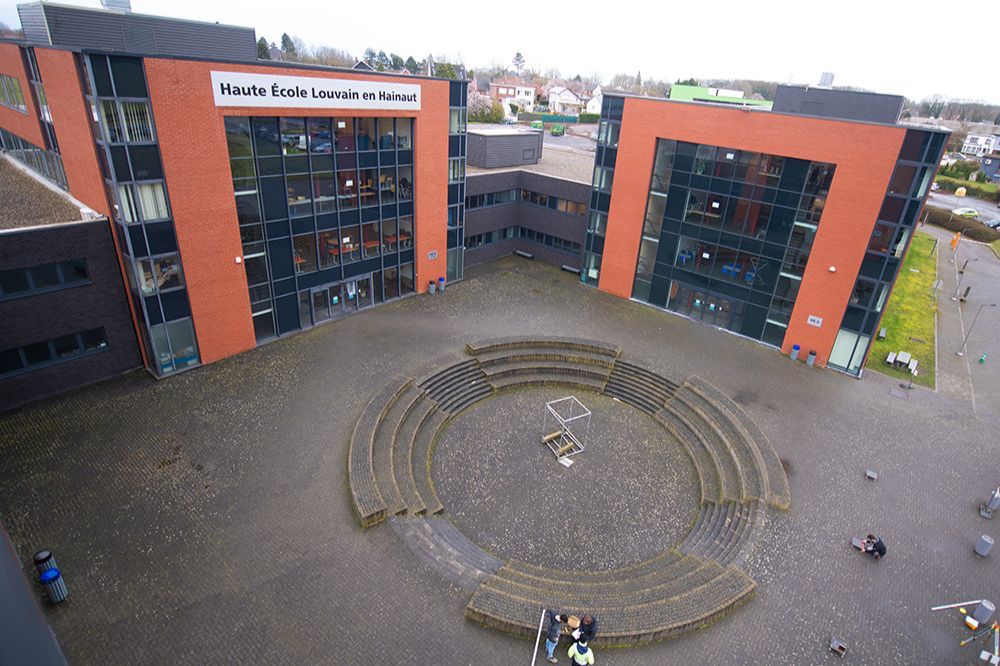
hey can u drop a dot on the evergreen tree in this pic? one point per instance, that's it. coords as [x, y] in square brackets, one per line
[262, 51]
[445, 70]
[412, 65]
[369, 57]
[288, 46]
[395, 61]
[381, 61]
[518, 62]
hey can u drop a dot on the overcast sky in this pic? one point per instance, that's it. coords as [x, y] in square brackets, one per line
[890, 47]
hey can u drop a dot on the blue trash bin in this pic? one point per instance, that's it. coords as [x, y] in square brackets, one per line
[795, 352]
[54, 585]
[441, 284]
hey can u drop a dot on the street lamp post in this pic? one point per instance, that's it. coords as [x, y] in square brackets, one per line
[961, 277]
[961, 352]
[961, 234]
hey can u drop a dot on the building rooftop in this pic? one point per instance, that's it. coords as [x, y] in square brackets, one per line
[557, 161]
[24, 202]
[501, 131]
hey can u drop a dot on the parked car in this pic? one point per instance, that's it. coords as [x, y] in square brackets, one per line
[557, 130]
[992, 224]
[935, 187]
[509, 120]
[537, 124]
[970, 213]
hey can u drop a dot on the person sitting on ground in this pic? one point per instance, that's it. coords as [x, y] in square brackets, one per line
[581, 654]
[552, 637]
[874, 546]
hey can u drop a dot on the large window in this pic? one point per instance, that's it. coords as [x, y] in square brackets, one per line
[456, 170]
[159, 274]
[142, 202]
[727, 235]
[49, 352]
[10, 93]
[19, 282]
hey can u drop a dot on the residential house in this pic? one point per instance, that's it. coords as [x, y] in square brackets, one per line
[511, 90]
[981, 144]
[564, 100]
[594, 103]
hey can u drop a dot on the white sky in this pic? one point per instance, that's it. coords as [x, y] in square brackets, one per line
[882, 45]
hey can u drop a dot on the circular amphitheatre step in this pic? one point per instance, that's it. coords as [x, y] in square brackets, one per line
[741, 479]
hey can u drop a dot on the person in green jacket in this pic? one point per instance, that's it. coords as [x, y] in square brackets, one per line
[581, 654]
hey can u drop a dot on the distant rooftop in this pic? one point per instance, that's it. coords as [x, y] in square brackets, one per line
[839, 104]
[513, 130]
[557, 161]
[714, 96]
[117, 30]
[24, 202]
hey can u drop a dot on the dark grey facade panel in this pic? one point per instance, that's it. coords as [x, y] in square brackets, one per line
[557, 187]
[492, 182]
[481, 255]
[840, 104]
[491, 151]
[25, 635]
[33, 23]
[111, 31]
[35, 318]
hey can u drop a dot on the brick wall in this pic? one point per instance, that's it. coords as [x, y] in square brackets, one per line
[196, 164]
[25, 125]
[45, 316]
[865, 155]
[70, 116]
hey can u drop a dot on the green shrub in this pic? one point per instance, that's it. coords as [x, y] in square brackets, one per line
[588, 118]
[493, 115]
[973, 229]
[987, 191]
[961, 170]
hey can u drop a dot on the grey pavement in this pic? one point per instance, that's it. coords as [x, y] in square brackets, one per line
[988, 210]
[965, 375]
[206, 518]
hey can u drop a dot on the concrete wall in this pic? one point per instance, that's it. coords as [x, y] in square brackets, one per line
[35, 318]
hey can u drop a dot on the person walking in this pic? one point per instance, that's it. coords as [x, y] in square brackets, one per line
[581, 654]
[552, 637]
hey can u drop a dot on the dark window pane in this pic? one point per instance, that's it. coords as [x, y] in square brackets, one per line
[145, 162]
[266, 139]
[75, 270]
[10, 360]
[66, 345]
[128, 76]
[14, 281]
[37, 353]
[94, 339]
[238, 136]
[102, 78]
[45, 276]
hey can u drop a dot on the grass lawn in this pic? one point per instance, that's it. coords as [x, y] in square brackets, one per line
[909, 315]
[996, 247]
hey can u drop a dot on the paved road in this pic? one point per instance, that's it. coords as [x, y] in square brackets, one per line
[982, 275]
[987, 209]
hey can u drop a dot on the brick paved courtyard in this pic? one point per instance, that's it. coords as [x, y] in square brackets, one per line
[206, 519]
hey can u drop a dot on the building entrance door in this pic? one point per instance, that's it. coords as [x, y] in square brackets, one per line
[358, 293]
[327, 303]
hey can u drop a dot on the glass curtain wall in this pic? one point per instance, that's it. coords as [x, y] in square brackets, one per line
[904, 199]
[727, 235]
[600, 196]
[325, 212]
[123, 127]
[457, 119]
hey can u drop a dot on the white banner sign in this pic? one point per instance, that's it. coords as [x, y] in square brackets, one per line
[306, 92]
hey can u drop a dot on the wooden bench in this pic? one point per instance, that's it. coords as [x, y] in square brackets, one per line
[891, 358]
[552, 436]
